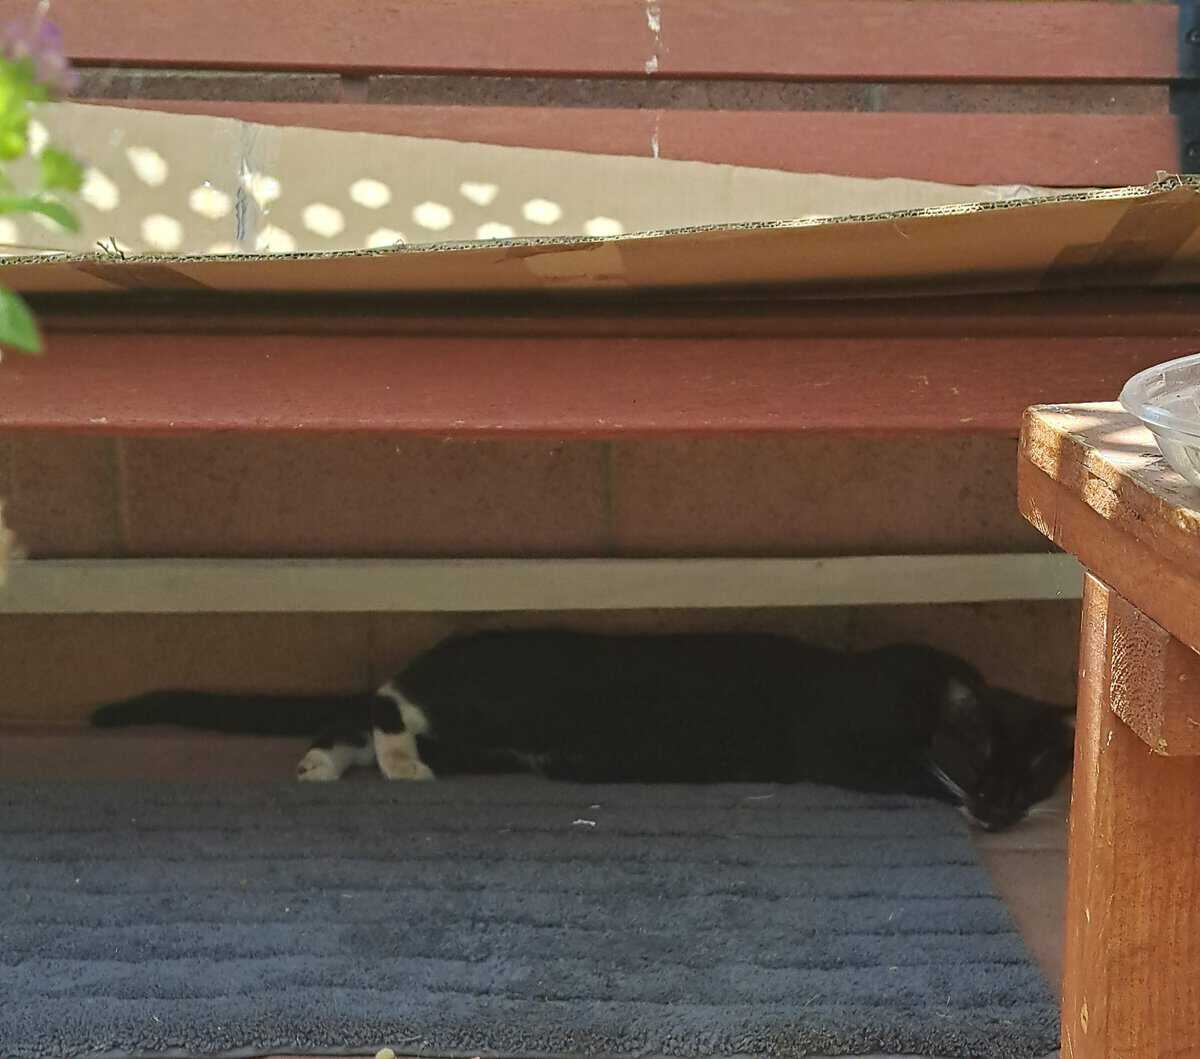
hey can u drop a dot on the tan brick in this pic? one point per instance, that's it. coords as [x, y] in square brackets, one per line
[820, 495]
[62, 495]
[363, 496]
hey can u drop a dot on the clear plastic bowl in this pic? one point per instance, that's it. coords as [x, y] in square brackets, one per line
[1167, 399]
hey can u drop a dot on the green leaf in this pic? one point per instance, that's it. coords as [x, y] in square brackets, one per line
[56, 211]
[18, 329]
[60, 171]
[13, 142]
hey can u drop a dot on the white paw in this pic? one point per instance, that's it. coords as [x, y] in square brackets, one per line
[405, 769]
[317, 766]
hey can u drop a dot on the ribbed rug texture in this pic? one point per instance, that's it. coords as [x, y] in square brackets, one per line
[513, 916]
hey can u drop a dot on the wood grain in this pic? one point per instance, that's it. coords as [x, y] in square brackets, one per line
[819, 39]
[1050, 150]
[1155, 681]
[1133, 923]
[127, 383]
[1110, 461]
[1153, 582]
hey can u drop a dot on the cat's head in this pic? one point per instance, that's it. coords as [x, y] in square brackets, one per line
[997, 753]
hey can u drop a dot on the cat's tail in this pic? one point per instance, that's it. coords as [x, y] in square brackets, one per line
[236, 714]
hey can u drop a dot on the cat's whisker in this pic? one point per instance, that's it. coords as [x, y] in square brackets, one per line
[944, 779]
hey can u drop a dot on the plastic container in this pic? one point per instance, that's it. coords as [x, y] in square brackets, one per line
[1167, 399]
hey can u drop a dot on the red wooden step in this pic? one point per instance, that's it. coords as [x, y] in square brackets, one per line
[130, 383]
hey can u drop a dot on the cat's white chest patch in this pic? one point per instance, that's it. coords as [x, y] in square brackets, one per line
[396, 752]
[415, 719]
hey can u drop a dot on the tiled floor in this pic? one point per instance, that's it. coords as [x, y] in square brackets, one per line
[1028, 863]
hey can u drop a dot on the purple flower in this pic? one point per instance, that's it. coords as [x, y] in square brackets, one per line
[40, 41]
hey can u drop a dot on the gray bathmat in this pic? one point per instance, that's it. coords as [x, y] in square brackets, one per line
[511, 916]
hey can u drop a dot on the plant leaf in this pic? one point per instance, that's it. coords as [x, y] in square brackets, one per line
[56, 211]
[60, 171]
[18, 329]
[13, 141]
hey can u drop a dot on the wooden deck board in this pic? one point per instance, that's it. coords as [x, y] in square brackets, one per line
[130, 383]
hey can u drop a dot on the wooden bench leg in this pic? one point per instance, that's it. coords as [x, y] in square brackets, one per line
[1131, 985]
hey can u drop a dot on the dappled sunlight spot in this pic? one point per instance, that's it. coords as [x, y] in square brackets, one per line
[494, 230]
[223, 248]
[323, 220]
[262, 188]
[603, 226]
[373, 194]
[542, 211]
[1127, 437]
[150, 166]
[99, 192]
[274, 240]
[383, 237]
[9, 236]
[38, 137]
[433, 215]
[162, 232]
[210, 202]
[480, 194]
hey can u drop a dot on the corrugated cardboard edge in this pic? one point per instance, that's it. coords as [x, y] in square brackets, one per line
[1142, 235]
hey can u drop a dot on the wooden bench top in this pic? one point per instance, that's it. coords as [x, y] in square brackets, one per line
[1091, 479]
[1110, 461]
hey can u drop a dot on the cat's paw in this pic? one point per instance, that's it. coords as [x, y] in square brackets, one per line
[317, 766]
[406, 768]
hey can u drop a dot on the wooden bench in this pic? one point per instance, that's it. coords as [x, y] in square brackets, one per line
[914, 428]
[1092, 480]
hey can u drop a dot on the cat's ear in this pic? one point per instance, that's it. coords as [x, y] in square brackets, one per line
[959, 701]
[964, 712]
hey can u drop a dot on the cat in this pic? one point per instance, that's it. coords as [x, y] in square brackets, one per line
[670, 709]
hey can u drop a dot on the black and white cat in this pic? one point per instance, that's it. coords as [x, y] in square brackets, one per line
[672, 709]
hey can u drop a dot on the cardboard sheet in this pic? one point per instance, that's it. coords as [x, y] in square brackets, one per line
[177, 202]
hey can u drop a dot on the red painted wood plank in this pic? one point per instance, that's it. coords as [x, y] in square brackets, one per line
[839, 39]
[607, 37]
[981, 40]
[1053, 150]
[595, 131]
[557, 387]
